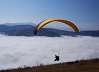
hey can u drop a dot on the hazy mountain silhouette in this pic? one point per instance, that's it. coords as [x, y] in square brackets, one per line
[27, 30]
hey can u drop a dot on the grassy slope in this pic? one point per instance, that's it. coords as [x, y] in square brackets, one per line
[77, 66]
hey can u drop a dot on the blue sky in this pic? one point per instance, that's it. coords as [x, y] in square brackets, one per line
[82, 12]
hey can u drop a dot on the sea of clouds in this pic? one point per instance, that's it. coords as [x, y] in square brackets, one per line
[20, 51]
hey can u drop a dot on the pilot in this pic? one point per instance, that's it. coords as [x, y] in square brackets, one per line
[57, 58]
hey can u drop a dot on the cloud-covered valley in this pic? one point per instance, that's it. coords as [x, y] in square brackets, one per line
[20, 51]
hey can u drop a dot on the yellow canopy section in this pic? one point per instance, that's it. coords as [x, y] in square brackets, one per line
[49, 20]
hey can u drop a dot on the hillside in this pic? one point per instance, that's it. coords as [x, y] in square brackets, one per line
[76, 66]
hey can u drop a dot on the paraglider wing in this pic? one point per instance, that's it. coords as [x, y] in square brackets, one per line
[49, 20]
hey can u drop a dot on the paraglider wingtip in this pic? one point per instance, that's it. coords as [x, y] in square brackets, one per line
[35, 32]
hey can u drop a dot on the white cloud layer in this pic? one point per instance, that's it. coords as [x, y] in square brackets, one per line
[17, 51]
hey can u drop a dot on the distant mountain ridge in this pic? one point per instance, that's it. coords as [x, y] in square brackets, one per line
[27, 30]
